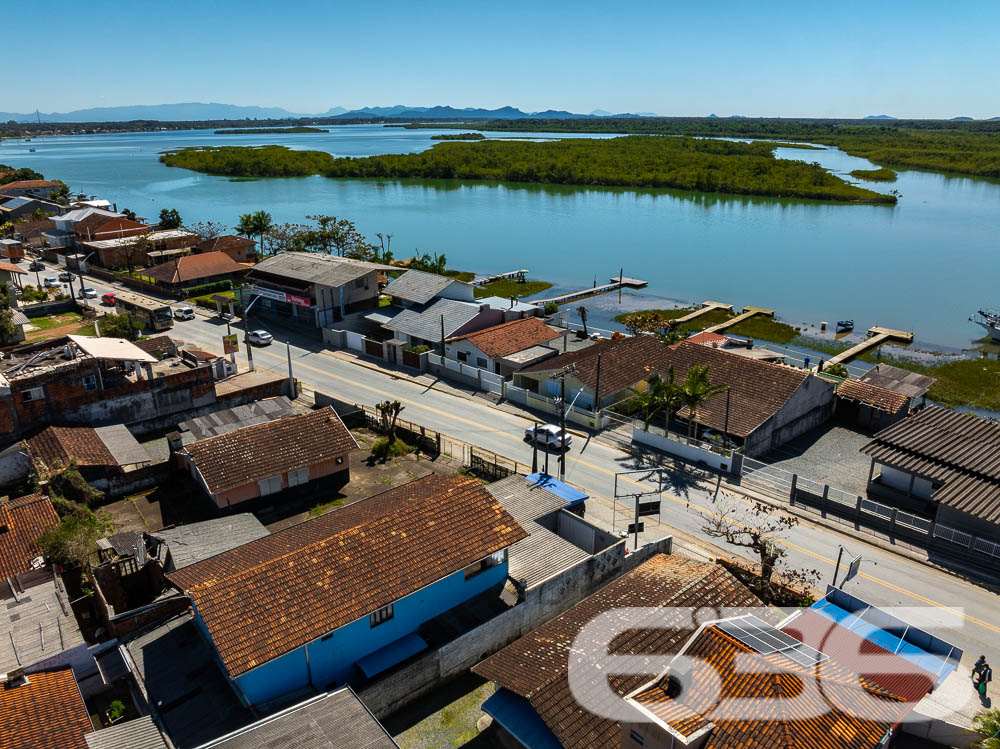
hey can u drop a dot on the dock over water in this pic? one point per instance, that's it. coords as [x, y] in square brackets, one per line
[483, 280]
[876, 337]
[706, 307]
[624, 283]
[747, 313]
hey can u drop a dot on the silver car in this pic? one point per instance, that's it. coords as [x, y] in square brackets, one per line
[549, 435]
[260, 337]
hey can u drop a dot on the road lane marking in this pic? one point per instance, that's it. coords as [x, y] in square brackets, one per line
[677, 500]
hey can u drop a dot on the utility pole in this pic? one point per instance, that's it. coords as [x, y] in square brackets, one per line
[442, 339]
[562, 428]
[246, 333]
[534, 449]
[725, 439]
[291, 377]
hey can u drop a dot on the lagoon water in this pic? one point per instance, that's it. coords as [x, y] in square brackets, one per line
[923, 265]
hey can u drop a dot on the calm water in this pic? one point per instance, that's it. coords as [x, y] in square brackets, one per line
[923, 265]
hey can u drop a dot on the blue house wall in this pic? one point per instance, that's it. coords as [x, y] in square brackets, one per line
[329, 660]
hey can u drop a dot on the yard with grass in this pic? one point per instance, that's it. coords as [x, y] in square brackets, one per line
[511, 287]
[58, 325]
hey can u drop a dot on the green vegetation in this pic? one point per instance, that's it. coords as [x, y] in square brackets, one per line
[656, 318]
[766, 329]
[170, 218]
[459, 136]
[637, 161]
[882, 174]
[461, 275]
[56, 321]
[383, 449]
[120, 326]
[511, 287]
[270, 130]
[12, 174]
[319, 509]
[966, 382]
[33, 294]
[206, 300]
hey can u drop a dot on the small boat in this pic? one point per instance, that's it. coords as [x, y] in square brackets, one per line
[31, 150]
[845, 324]
[988, 319]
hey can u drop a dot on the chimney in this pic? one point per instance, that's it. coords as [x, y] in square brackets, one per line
[175, 442]
[15, 678]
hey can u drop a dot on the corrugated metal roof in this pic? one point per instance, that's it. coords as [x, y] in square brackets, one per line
[125, 449]
[525, 500]
[193, 543]
[39, 626]
[140, 733]
[427, 324]
[910, 384]
[221, 422]
[419, 287]
[311, 267]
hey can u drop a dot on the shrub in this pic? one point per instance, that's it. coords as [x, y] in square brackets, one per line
[120, 326]
[417, 349]
[209, 288]
[33, 294]
[383, 449]
[70, 485]
[551, 308]
[74, 540]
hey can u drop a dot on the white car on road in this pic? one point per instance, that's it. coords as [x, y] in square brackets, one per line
[260, 337]
[88, 293]
[184, 313]
[549, 435]
[50, 283]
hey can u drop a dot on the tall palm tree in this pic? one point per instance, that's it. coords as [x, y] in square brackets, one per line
[245, 225]
[696, 390]
[582, 312]
[661, 394]
[262, 224]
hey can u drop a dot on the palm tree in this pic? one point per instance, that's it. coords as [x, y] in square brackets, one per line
[988, 726]
[262, 224]
[661, 394]
[245, 225]
[582, 312]
[696, 390]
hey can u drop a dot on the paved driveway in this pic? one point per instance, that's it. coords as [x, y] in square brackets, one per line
[829, 454]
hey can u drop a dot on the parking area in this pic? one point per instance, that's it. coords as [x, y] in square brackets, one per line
[829, 454]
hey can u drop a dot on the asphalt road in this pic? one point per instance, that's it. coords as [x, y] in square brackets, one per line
[958, 611]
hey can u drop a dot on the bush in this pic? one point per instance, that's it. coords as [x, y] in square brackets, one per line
[74, 540]
[551, 308]
[70, 485]
[120, 326]
[417, 349]
[209, 288]
[33, 294]
[383, 449]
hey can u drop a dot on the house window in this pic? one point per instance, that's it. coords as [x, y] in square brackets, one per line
[300, 476]
[485, 564]
[90, 383]
[34, 394]
[381, 616]
[481, 362]
[634, 735]
[270, 485]
[462, 356]
[360, 283]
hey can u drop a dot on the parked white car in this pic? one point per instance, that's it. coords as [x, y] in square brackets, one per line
[50, 283]
[88, 293]
[549, 435]
[184, 313]
[260, 337]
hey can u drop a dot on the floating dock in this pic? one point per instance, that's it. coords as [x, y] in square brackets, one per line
[876, 337]
[625, 283]
[483, 280]
[747, 313]
[706, 307]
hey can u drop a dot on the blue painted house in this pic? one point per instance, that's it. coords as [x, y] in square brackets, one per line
[343, 596]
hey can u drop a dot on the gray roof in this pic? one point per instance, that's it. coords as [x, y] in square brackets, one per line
[124, 448]
[182, 681]
[312, 267]
[910, 384]
[127, 544]
[523, 499]
[197, 541]
[221, 422]
[338, 719]
[140, 733]
[427, 324]
[18, 317]
[419, 287]
[39, 625]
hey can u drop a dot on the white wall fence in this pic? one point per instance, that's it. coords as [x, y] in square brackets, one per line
[483, 379]
[691, 450]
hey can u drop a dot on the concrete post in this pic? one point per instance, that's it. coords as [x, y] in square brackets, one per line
[791, 494]
[826, 496]
[857, 506]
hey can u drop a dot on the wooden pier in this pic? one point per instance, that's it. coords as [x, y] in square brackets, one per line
[483, 280]
[705, 308]
[876, 337]
[747, 313]
[625, 283]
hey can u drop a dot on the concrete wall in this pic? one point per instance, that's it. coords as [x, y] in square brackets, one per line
[542, 602]
[15, 464]
[332, 658]
[809, 406]
[473, 354]
[692, 453]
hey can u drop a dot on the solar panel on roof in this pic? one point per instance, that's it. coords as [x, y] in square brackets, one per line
[766, 640]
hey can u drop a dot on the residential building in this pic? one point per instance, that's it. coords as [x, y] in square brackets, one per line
[240, 249]
[134, 250]
[195, 542]
[221, 422]
[313, 288]
[911, 384]
[97, 226]
[767, 405]
[66, 221]
[728, 684]
[140, 733]
[30, 231]
[506, 347]
[37, 620]
[417, 288]
[10, 274]
[336, 719]
[194, 270]
[870, 406]
[43, 710]
[345, 594]
[433, 324]
[22, 522]
[942, 464]
[34, 187]
[21, 207]
[104, 455]
[11, 250]
[534, 705]
[264, 459]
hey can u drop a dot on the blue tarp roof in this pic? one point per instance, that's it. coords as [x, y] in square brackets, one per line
[918, 647]
[519, 718]
[557, 487]
[391, 654]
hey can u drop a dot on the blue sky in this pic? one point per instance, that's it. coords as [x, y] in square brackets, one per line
[844, 59]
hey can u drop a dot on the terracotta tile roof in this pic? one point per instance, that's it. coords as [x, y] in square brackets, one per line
[45, 713]
[11, 268]
[510, 337]
[873, 395]
[157, 344]
[30, 184]
[624, 363]
[34, 227]
[273, 595]
[227, 242]
[54, 448]
[22, 522]
[708, 339]
[262, 450]
[535, 666]
[790, 708]
[99, 226]
[959, 452]
[194, 267]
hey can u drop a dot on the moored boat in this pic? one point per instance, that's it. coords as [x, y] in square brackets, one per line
[989, 320]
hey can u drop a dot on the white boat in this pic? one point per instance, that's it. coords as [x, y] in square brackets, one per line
[988, 319]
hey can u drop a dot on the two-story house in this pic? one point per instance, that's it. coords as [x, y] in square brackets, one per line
[344, 596]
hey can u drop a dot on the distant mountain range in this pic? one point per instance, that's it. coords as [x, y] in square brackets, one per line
[201, 111]
[880, 117]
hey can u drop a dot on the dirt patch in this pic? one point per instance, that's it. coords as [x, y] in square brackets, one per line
[445, 718]
[135, 513]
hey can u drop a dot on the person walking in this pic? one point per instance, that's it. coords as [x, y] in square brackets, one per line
[977, 671]
[985, 677]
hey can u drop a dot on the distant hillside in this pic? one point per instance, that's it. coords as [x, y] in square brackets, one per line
[163, 112]
[962, 119]
[443, 112]
[880, 117]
